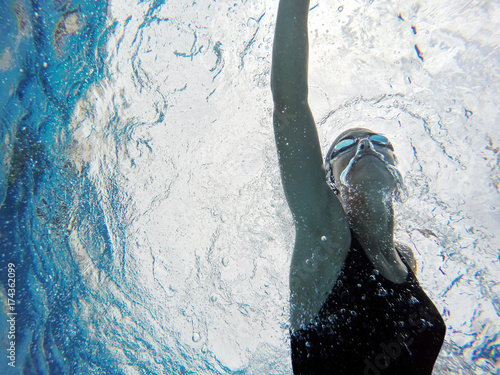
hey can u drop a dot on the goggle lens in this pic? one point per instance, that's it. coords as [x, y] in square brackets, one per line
[380, 139]
[346, 144]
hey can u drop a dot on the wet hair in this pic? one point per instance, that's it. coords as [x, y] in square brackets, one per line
[328, 159]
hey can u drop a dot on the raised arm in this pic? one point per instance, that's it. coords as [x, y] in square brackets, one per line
[322, 232]
[295, 132]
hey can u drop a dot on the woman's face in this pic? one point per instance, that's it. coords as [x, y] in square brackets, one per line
[363, 162]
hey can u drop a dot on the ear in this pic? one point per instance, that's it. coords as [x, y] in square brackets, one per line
[329, 178]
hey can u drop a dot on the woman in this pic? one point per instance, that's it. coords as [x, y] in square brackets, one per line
[356, 306]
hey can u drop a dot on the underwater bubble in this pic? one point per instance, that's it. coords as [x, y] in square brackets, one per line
[382, 292]
[323, 238]
[401, 194]
[170, 291]
[413, 300]
[332, 318]
[196, 337]
[343, 175]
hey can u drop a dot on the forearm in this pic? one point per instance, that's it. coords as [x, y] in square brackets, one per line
[290, 54]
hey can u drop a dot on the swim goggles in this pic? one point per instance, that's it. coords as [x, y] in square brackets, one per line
[348, 143]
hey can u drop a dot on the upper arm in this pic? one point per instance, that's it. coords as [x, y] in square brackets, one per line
[300, 159]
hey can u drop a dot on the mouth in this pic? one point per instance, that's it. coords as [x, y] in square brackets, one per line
[360, 153]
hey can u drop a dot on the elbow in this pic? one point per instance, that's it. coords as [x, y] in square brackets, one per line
[288, 99]
[287, 104]
[287, 94]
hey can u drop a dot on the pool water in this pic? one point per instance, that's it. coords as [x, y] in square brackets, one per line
[142, 205]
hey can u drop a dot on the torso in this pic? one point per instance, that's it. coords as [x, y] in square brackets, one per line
[369, 324]
[317, 261]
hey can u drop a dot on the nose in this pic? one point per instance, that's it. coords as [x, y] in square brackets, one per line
[365, 143]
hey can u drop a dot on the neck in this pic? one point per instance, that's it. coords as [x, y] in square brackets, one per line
[372, 221]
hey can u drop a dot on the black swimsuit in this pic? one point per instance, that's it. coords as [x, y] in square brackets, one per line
[369, 325]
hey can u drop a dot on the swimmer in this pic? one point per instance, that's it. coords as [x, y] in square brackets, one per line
[356, 306]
